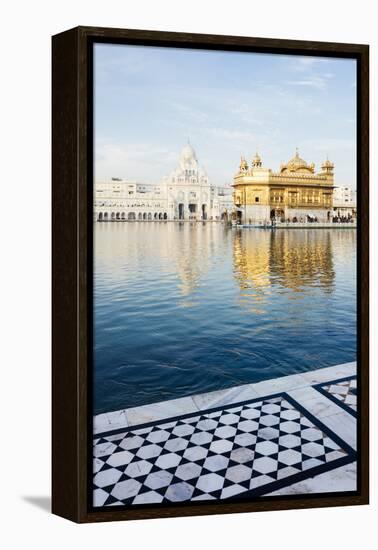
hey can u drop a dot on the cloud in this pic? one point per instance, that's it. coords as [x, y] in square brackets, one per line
[318, 82]
[330, 144]
[149, 104]
[128, 160]
[306, 63]
[232, 135]
[312, 75]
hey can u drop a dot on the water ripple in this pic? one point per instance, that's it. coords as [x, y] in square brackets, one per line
[183, 309]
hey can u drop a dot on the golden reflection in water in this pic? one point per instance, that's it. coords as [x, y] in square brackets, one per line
[293, 260]
[263, 261]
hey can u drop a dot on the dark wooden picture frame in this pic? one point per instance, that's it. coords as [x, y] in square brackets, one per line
[72, 240]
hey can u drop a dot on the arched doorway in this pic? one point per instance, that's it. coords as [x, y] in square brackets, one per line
[236, 216]
[118, 216]
[277, 214]
[131, 216]
[140, 216]
[123, 216]
[100, 217]
[204, 212]
[181, 211]
[112, 216]
[165, 216]
[144, 216]
[160, 216]
[149, 216]
[106, 216]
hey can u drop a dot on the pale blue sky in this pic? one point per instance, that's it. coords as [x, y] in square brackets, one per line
[150, 101]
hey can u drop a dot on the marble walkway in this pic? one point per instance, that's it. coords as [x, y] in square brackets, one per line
[291, 435]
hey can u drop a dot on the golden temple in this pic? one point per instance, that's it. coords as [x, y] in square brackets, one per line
[294, 193]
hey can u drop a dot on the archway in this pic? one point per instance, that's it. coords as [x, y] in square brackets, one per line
[181, 211]
[112, 216]
[118, 216]
[131, 216]
[204, 212]
[277, 213]
[106, 216]
[123, 216]
[160, 216]
[149, 216]
[100, 217]
[144, 216]
[165, 216]
[140, 216]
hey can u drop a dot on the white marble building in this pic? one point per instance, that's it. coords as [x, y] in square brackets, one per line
[344, 202]
[190, 194]
[186, 194]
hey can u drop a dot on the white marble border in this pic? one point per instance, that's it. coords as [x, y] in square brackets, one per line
[297, 385]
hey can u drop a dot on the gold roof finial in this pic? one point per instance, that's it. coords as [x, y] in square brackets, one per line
[256, 161]
[243, 163]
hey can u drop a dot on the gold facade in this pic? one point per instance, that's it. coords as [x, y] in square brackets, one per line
[296, 191]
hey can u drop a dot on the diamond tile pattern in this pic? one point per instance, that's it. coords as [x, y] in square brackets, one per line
[247, 449]
[343, 392]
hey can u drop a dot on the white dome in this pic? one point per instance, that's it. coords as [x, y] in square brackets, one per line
[188, 170]
[188, 154]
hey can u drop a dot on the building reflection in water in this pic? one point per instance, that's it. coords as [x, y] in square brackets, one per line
[181, 309]
[296, 261]
[191, 250]
[183, 253]
[263, 261]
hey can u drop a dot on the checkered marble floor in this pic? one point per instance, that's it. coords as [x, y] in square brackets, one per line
[237, 451]
[343, 392]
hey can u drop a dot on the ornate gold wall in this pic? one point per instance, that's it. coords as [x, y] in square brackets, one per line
[296, 190]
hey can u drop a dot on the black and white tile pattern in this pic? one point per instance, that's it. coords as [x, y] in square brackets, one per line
[343, 392]
[236, 451]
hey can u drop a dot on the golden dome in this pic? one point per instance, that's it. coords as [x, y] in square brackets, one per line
[297, 164]
[297, 161]
[243, 165]
[328, 166]
[256, 161]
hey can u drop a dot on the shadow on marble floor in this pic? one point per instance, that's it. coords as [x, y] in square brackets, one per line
[41, 502]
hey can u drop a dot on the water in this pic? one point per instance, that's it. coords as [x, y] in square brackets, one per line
[188, 308]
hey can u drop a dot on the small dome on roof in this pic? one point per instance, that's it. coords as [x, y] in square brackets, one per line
[328, 163]
[257, 157]
[256, 161]
[328, 166]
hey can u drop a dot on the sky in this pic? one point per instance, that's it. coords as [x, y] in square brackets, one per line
[149, 101]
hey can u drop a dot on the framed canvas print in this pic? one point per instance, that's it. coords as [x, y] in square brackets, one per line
[210, 274]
